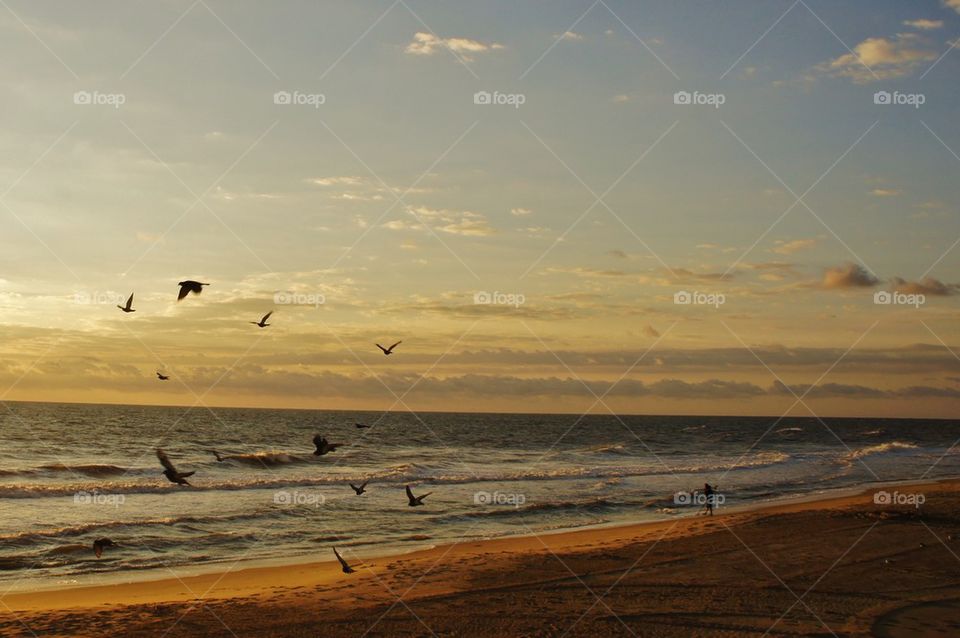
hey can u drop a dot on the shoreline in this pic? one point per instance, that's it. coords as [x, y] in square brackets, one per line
[251, 579]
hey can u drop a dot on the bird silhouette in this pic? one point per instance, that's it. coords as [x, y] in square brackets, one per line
[263, 322]
[360, 490]
[172, 474]
[129, 306]
[416, 501]
[324, 446]
[343, 564]
[100, 544]
[162, 377]
[188, 286]
[360, 426]
[389, 351]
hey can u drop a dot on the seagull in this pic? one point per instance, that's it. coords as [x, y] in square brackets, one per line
[188, 286]
[162, 377]
[389, 351]
[343, 564]
[323, 446]
[416, 500]
[263, 322]
[129, 306]
[360, 426]
[170, 471]
[360, 490]
[100, 544]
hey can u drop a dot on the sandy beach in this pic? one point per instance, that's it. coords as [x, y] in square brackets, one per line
[837, 565]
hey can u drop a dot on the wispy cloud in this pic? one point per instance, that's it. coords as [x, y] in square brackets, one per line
[428, 44]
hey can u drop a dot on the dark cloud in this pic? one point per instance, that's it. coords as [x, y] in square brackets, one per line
[848, 275]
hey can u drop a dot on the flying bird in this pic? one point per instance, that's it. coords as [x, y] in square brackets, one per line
[324, 446]
[129, 306]
[171, 472]
[100, 544]
[263, 322]
[360, 490]
[416, 500]
[360, 426]
[162, 377]
[343, 564]
[389, 351]
[188, 286]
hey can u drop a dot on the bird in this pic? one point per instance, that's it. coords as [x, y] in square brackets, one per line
[220, 459]
[389, 351]
[171, 472]
[324, 446]
[416, 500]
[343, 564]
[263, 322]
[188, 286]
[360, 426]
[129, 306]
[162, 377]
[100, 544]
[360, 490]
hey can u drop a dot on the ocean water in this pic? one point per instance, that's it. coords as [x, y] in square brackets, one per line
[70, 474]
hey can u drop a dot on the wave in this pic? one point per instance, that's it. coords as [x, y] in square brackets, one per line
[882, 448]
[590, 505]
[261, 459]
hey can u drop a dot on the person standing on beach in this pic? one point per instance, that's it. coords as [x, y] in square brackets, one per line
[709, 497]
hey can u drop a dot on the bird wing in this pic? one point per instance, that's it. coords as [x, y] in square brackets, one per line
[184, 290]
[266, 316]
[165, 461]
[130, 301]
[364, 484]
[340, 558]
[186, 474]
[381, 347]
[410, 495]
[423, 496]
[395, 345]
[319, 441]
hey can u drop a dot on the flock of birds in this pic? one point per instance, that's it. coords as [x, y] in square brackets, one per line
[323, 446]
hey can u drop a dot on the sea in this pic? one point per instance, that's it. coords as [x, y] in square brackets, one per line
[74, 473]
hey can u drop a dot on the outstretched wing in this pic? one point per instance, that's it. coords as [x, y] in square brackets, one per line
[266, 316]
[340, 558]
[410, 494]
[165, 461]
[130, 301]
[395, 345]
[381, 347]
[184, 291]
[318, 440]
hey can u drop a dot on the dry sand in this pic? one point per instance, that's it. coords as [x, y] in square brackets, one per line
[838, 566]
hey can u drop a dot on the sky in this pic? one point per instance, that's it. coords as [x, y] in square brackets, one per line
[524, 194]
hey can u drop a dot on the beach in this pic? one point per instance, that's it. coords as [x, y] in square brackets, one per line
[842, 565]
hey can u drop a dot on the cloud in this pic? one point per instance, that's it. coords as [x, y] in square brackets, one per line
[346, 180]
[521, 212]
[885, 192]
[571, 36]
[926, 286]
[428, 44]
[621, 99]
[952, 4]
[924, 24]
[849, 275]
[619, 254]
[790, 247]
[465, 223]
[881, 59]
